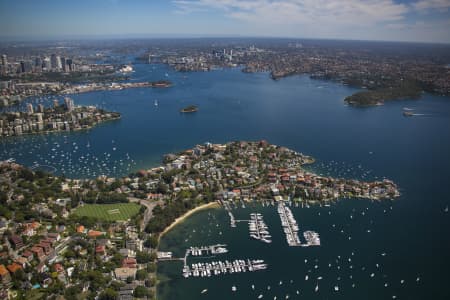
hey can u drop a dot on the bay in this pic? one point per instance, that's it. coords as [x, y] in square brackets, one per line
[308, 116]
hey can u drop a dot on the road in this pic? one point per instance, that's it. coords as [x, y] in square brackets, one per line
[148, 212]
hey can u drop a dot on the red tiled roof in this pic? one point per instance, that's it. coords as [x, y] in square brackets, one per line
[3, 270]
[14, 267]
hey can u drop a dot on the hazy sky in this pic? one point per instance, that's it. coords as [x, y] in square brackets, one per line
[413, 20]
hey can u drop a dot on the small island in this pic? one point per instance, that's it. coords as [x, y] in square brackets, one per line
[66, 117]
[189, 109]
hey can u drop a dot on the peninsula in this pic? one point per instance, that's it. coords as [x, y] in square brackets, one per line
[113, 86]
[377, 96]
[53, 219]
[66, 117]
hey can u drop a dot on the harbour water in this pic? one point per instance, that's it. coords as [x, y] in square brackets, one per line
[409, 238]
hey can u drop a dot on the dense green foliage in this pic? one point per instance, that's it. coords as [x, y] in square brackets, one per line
[163, 217]
[376, 96]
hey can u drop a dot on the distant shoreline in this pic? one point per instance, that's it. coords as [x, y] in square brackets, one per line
[188, 214]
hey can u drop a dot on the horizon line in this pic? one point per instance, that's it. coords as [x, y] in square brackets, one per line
[76, 37]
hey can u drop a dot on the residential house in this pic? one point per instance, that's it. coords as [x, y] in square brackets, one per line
[14, 267]
[28, 255]
[124, 273]
[16, 241]
[5, 278]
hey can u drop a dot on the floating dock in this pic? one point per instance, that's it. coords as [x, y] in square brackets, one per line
[312, 238]
[258, 229]
[289, 224]
[207, 250]
[225, 267]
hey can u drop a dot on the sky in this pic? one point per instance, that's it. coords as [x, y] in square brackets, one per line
[388, 20]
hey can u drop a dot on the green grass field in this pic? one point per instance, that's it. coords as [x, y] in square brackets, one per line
[109, 212]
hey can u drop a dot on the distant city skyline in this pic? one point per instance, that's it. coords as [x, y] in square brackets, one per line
[387, 20]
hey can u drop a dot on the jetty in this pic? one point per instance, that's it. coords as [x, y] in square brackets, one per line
[207, 250]
[223, 267]
[258, 229]
[289, 224]
[312, 238]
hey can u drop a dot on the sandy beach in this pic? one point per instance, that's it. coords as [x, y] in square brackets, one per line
[187, 214]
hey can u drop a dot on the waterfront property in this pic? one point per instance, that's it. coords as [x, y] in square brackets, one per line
[59, 118]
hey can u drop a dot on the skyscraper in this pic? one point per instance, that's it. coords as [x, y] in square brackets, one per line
[25, 66]
[53, 61]
[4, 60]
[69, 65]
[47, 64]
[63, 64]
[69, 104]
[37, 62]
[30, 109]
[39, 117]
[58, 63]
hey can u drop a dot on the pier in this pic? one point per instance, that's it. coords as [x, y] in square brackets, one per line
[208, 269]
[289, 224]
[258, 229]
[207, 250]
[223, 267]
[233, 221]
[312, 238]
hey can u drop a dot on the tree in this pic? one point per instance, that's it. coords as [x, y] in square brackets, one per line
[151, 267]
[108, 294]
[141, 274]
[71, 293]
[141, 292]
[143, 257]
[151, 242]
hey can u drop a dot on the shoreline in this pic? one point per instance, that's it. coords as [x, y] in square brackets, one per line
[177, 221]
[186, 215]
[46, 132]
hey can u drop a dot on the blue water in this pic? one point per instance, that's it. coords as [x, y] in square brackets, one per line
[305, 115]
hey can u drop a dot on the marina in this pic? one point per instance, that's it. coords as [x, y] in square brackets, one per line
[207, 250]
[223, 267]
[312, 238]
[289, 224]
[93, 154]
[258, 229]
[207, 269]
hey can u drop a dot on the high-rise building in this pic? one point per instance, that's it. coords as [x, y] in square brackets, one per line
[47, 64]
[37, 62]
[30, 109]
[40, 108]
[63, 64]
[55, 103]
[4, 60]
[39, 117]
[69, 104]
[53, 61]
[25, 66]
[69, 64]
[58, 63]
